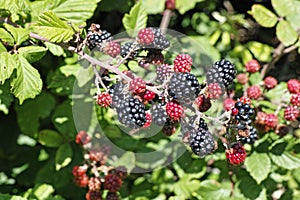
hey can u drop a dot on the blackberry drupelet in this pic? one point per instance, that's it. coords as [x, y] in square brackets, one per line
[159, 115]
[222, 72]
[132, 113]
[251, 138]
[184, 87]
[189, 124]
[201, 142]
[245, 112]
[117, 94]
[163, 72]
[126, 48]
[96, 39]
[160, 41]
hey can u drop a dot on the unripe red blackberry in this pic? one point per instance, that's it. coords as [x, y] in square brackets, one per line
[242, 78]
[170, 4]
[148, 95]
[214, 91]
[104, 99]
[291, 113]
[201, 142]
[174, 110]
[293, 86]
[94, 184]
[254, 92]
[112, 182]
[228, 104]
[271, 120]
[93, 195]
[99, 155]
[112, 49]
[81, 181]
[146, 36]
[112, 196]
[137, 85]
[148, 120]
[252, 66]
[236, 154]
[245, 100]
[183, 63]
[295, 99]
[163, 72]
[261, 118]
[203, 103]
[79, 170]
[270, 82]
[82, 138]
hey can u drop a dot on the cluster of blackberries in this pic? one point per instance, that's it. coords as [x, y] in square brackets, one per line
[97, 37]
[242, 113]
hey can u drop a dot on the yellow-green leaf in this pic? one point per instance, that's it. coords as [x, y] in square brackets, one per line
[7, 65]
[32, 53]
[263, 16]
[285, 33]
[284, 8]
[6, 37]
[19, 34]
[153, 6]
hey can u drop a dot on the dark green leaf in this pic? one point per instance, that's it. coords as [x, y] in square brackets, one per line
[63, 156]
[32, 53]
[135, 20]
[50, 138]
[258, 165]
[19, 34]
[285, 33]
[7, 65]
[6, 97]
[263, 16]
[28, 82]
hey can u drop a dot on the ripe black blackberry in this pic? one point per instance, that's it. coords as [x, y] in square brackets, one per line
[201, 142]
[132, 113]
[189, 123]
[96, 39]
[163, 72]
[184, 87]
[251, 138]
[159, 115]
[126, 48]
[245, 112]
[222, 72]
[160, 41]
[117, 94]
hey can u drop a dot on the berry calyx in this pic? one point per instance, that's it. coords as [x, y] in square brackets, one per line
[252, 66]
[270, 82]
[293, 86]
[295, 99]
[183, 63]
[146, 36]
[82, 138]
[112, 182]
[291, 113]
[254, 92]
[236, 154]
[137, 85]
[104, 99]
[174, 110]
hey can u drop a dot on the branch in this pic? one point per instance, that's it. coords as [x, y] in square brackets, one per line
[165, 20]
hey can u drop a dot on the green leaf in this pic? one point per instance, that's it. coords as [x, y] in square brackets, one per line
[185, 188]
[6, 37]
[182, 5]
[283, 8]
[127, 160]
[17, 9]
[50, 138]
[55, 49]
[259, 166]
[2, 48]
[6, 97]
[285, 33]
[32, 53]
[135, 20]
[80, 10]
[279, 91]
[19, 34]
[210, 190]
[43, 191]
[153, 6]
[263, 16]
[7, 65]
[261, 51]
[63, 156]
[255, 78]
[53, 28]
[293, 16]
[286, 160]
[28, 82]
[28, 118]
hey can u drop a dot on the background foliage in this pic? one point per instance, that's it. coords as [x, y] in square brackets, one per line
[37, 148]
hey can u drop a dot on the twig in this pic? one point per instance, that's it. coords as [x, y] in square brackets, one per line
[165, 20]
[8, 21]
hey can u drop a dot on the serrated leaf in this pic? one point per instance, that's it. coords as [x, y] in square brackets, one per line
[261, 51]
[263, 16]
[258, 165]
[153, 6]
[283, 8]
[127, 160]
[32, 53]
[7, 65]
[53, 28]
[50, 138]
[210, 190]
[43, 191]
[286, 160]
[6, 37]
[55, 49]
[182, 6]
[63, 156]
[255, 78]
[27, 83]
[28, 118]
[2, 48]
[285, 33]
[280, 90]
[80, 12]
[19, 34]
[18, 9]
[135, 20]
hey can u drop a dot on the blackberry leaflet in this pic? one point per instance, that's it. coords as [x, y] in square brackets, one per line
[159, 115]
[201, 142]
[184, 87]
[222, 72]
[126, 48]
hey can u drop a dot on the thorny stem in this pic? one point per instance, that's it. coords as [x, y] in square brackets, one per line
[165, 20]
[98, 80]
